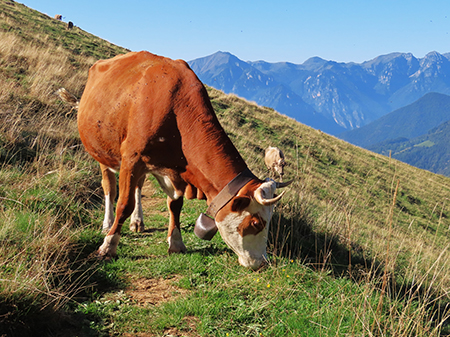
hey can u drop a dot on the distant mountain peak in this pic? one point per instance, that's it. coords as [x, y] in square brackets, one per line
[314, 62]
[433, 54]
[220, 55]
[433, 59]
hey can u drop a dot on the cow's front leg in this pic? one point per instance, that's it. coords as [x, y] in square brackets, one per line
[128, 180]
[176, 244]
[110, 191]
[137, 217]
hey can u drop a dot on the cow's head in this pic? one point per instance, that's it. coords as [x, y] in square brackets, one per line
[279, 166]
[244, 222]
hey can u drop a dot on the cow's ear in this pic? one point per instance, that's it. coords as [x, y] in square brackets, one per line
[238, 204]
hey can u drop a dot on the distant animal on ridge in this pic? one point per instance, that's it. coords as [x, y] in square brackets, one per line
[274, 159]
[69, 25]
[58, 17]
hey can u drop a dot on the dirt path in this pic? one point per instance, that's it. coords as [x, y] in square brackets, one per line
[151, 291]
[146, 291]
[151, 202]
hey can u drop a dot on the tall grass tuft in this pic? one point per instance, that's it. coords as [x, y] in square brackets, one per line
[47, 193]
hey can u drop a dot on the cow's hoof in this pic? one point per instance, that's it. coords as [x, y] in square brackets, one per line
[177, 249]
[171, 251]
[137, 227]
[176, 246]
[109, 247]
[105, 257]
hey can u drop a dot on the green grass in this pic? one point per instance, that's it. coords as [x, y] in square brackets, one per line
[285, 298]
[427, 143]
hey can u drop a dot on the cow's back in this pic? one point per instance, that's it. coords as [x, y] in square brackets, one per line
[129, 96]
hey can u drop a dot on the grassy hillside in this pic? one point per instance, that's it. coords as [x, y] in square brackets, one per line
[358, 246]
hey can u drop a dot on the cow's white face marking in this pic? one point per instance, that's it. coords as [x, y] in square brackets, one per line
[250, 248]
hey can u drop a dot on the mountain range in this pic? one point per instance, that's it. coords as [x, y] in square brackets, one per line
[408, 122]
[328, 95]
[417, 134]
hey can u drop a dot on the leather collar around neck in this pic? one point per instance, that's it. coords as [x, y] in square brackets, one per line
[205, 226]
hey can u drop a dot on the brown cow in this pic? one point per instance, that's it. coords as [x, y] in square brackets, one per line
[141, 113]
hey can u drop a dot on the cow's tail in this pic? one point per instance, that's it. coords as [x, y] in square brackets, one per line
[68, 98]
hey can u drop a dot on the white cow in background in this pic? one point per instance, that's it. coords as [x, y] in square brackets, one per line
[274, 159]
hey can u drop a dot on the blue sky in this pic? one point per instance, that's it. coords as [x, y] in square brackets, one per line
[274, 31]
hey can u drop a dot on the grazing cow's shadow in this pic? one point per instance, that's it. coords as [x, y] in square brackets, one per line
[211, 249]
[204, 247]
[154, 230]
[295, 239]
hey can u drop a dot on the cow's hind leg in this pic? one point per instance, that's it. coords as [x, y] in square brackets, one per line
[176, 244]
[109, 185]
[137, 217]
[128, 180]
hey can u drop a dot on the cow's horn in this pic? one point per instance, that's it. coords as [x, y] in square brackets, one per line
[281, 184]
[266, 202]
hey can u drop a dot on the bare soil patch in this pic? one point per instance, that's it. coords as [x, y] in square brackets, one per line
[146, 291]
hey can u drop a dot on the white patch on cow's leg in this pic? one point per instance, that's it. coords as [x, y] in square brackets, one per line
[109, 214]
[109, 246]
[110, 191]
[167, 186]
[175, 241]
[137, 217]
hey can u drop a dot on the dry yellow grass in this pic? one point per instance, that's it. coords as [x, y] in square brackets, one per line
[43, 69]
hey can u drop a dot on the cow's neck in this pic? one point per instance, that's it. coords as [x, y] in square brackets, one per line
[213, 160]
[215, 171]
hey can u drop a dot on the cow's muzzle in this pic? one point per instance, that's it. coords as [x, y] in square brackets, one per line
[205, 227]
